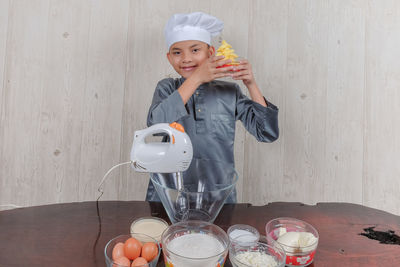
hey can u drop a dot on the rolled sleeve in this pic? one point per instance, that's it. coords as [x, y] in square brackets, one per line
[167, 105]
[265, 111]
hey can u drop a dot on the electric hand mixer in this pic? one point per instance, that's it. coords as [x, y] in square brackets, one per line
[174, 156]
[162, 157]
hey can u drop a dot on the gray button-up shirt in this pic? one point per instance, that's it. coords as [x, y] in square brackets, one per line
[209, 119]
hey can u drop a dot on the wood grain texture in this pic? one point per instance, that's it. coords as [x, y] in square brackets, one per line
[4, 12]
[267, 53]
[21, 100]
[77, 79]
[344, 103]
[305, 100]
[382, 122]
[62, 102]
[3, 41]
[103, 97]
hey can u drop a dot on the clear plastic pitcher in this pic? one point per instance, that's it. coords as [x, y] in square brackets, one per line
[198, 193]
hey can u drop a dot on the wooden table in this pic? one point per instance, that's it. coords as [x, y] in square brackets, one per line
[66, 234]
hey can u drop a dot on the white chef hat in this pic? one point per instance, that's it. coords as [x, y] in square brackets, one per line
[192, 26]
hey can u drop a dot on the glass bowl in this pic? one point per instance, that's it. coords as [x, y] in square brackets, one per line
[298, 251]
[151, 226]
[194, 244]
[243, 234]
[122, 238]
[198, 193]
[259, 254]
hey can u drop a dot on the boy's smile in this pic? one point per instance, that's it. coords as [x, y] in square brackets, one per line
[186, 56]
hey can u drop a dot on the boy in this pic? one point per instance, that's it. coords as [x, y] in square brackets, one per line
[208, 108]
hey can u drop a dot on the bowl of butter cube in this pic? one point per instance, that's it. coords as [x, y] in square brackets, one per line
[298, 239]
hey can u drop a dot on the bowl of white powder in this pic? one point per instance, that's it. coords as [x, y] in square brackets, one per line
[243, 234]
[298, 239]
[194, 244]
[259, 254]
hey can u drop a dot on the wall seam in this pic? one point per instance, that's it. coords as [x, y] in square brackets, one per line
[2, 107]
[123, 109]
[5, 65]
[245, 165]
[365, 100]
[84, 96]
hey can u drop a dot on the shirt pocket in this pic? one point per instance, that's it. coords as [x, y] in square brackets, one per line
[223, 127]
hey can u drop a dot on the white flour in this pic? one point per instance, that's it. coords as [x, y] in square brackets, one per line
[255, 259]
[195, 246]
[243, 237]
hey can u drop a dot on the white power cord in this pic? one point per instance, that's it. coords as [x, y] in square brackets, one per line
[100, 189]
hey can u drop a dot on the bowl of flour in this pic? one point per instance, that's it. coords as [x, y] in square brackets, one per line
[258, 254]
[195, 244]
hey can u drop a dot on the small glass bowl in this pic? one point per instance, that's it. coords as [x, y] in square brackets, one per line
[122, 238]
[151, 231]
[177, 230]
[295, 256]
[261, 248]
[249, 235]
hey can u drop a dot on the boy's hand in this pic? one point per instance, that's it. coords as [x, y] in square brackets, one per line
[244, 72]
[211, 69]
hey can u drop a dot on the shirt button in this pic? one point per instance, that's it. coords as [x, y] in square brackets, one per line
[197, 93]
[199, 110]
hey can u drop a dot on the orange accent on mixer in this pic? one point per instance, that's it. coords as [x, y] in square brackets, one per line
[177, 126]
[173, 139]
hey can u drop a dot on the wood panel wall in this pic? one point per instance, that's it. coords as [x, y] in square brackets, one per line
[77, 78]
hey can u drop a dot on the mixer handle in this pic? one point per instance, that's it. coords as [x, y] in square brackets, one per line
[157, 129]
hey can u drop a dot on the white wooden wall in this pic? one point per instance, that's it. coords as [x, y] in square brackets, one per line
[77, 78]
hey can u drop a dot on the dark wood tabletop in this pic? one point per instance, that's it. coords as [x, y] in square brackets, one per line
[73, 234]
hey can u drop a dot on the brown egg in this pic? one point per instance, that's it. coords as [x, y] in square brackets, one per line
[122, 261]
[149, 251]
[132, 248]
[118, 251]
[139, 262]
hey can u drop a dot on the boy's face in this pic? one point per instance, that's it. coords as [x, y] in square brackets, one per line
[186, 56]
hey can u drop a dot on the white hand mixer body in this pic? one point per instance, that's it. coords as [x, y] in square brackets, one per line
[162, 157]
[174, 156]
